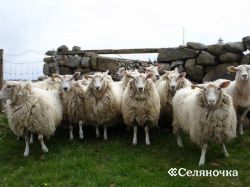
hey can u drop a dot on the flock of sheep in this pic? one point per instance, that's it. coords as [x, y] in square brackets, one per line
[207, 112]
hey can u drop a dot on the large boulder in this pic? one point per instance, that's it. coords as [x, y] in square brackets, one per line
[172, 54]
[194, 72]
[235, 47]
[196, 46]
[74, 61]
[85, 62]
[245, 59]
[65, 71]
[246, 42]
[230, 57]
[220, 72]
[216, 49]
[206, 59]
[106, 63]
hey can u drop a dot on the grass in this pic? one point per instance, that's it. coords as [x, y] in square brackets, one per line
[93, 162]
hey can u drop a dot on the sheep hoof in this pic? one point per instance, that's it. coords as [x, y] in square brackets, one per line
[226, 155]
[81, 136]
[202, 162]
[134, 142]
[241, 132]
[26, 154]
[180, 145]
[147, 142]
[105, 138]
[45, 150]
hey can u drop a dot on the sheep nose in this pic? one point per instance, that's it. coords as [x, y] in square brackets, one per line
[244, 75]
[140, 88]
[157, 77]
[211, 100]
[172, 87]
[65, 88]
[97, 87]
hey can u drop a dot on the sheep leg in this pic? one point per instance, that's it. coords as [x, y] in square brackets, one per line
[80, 130]
[179, 141]
[225, 150]
[44, 148]
[31, 138]
[147, 135]
[71, 136]
[105, 133]
[135, 135]
[203, 154]
[27, 146]
[97, 132]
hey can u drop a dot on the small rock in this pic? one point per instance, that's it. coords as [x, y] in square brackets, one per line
[76, 48]
[216, 49]
[214, 164]
[195, 72]
[245, 59]
[45, 69]
[220, 72]
[230, 57]
[235, 47]
[206, 59]
[246, 42]
[63, 48]
[197, 46]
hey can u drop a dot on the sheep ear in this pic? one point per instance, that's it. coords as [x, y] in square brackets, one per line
[106, 72]
[201, 86]
[88, 76]
[182, 75]
[127, 74]
[176, 70]
[76, 75]
[232, 69]
[224, 84]
[149, 75]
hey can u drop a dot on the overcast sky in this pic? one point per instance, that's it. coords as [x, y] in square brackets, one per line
[42, 25]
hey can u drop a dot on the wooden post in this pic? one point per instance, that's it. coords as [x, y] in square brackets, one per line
[1, 68]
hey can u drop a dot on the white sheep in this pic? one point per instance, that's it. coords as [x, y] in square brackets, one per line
[31, 110]
[102, 102]
[72, 94]
[239, 89]
[154, 70]
[169, 83]
[206, 113]
[141, 104]
[51, 83]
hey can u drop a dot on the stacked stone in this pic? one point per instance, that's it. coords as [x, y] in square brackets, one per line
[206, 63]
[68, 64]
[87, 63]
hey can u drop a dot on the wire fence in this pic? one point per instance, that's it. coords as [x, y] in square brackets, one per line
[16, 67]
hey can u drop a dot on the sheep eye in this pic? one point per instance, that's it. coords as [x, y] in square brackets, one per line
[8, 86]
[205, 89]
[219, 89]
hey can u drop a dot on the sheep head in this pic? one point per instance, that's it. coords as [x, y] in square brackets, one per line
[11, 90]
[98, 80]
[139, 81]
[242, 72]
[154, 70]
[212, 91]
[173, 78]
[67, 80]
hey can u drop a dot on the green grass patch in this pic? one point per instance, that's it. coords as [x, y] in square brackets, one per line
[93, 162]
